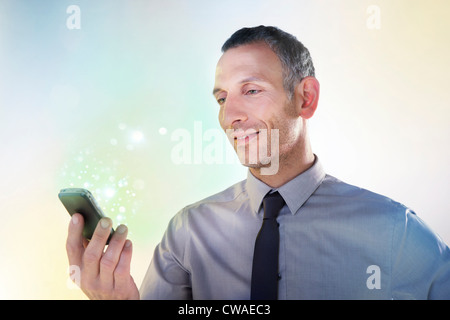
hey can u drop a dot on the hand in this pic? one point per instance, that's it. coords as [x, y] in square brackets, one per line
[103, 274]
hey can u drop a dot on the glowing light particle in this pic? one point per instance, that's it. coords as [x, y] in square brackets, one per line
[109, 192]
[137, 136]
[122, 183]
[162, 131]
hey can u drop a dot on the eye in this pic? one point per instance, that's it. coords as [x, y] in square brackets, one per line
[252, 91]
[221, 101]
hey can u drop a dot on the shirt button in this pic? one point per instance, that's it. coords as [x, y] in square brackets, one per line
[279, 276]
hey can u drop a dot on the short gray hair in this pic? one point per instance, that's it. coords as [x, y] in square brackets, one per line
[294, 56]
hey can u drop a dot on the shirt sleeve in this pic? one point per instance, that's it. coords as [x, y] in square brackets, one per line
[166, 278]
[420, 261]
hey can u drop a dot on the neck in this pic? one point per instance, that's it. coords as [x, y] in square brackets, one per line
[290, 166]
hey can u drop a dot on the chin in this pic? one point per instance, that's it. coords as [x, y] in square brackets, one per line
[259, 164]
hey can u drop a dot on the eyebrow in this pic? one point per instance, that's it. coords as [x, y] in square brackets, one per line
[249, 79]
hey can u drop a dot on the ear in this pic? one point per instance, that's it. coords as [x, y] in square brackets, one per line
[307, 97]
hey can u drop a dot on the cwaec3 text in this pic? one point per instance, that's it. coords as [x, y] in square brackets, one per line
[228, 309]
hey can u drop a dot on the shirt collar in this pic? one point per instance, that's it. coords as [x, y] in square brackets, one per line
[295, 192]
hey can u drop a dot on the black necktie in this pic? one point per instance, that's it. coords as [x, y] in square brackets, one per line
[265, 257]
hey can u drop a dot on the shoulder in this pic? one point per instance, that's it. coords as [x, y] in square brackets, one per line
[226, 200]
[353, 198]
[228, 195]
[203, 214]
[409, 232]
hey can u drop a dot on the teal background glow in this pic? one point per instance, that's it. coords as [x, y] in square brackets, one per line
[97, 107]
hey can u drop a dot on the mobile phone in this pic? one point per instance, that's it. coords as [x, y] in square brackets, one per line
[79, 200]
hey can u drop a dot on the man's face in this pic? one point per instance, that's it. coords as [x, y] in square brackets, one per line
[254, 105]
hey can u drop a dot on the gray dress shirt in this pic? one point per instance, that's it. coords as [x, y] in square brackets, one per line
[337, 241]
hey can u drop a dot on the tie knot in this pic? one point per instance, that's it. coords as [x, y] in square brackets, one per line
[272, 204]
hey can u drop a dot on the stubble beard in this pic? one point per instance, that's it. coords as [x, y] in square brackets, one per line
[270, 148]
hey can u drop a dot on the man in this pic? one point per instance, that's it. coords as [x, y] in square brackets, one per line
[326, 240]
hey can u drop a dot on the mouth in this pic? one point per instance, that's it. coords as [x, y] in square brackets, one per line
[244, 137]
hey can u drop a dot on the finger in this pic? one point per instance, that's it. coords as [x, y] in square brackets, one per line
[94, 250]
[122, 275]
[74, 243]
[85, 242]
[112, 254]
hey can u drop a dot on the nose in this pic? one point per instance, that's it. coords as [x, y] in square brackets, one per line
[232, 113]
